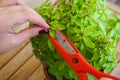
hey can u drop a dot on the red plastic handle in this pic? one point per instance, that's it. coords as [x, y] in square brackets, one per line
[82, 76]
[78, 62]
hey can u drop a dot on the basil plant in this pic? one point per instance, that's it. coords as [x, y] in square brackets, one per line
[89, 24]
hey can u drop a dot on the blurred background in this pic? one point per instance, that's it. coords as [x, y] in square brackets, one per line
[115, 2]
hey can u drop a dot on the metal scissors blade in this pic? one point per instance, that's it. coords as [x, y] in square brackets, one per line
[64, 43]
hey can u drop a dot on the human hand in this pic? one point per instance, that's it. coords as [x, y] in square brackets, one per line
[12, 13]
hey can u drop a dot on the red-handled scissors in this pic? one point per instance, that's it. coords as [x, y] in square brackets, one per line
[75, 59]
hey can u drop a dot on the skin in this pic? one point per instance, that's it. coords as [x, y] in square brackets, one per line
[12, 13]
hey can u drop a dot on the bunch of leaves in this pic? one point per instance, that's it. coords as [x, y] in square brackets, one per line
[89, 24]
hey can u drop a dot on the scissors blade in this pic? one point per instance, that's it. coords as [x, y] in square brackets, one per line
[62, 40]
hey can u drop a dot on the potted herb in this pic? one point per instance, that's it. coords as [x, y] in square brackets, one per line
[89, 24]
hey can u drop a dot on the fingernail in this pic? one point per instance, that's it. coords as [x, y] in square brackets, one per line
[43, 31]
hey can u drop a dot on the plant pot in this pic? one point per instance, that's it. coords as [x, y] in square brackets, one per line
[47, 74]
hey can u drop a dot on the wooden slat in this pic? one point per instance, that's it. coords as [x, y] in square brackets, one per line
[27, 69]
[16, 62]
[6, 57]
[116, 71]
[38, 74]
[118, 49]
[115, 8]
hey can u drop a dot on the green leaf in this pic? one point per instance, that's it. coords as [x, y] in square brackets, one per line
[88, 42]
[118, 27]
[52, 33]
[75, 38]
[76, 30]
[61, 27]
[93, 22]
[91, 31]
[50, 45]
[102, 26]
[96, 16]
[90, 77]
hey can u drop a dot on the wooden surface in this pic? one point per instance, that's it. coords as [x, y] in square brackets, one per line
[21, 64]
[114, 7]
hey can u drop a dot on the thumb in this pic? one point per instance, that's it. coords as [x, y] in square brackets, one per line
[27, 34]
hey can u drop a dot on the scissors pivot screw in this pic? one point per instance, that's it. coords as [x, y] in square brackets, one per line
[75, 61]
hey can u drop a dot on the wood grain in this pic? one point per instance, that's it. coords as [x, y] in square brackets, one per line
[38, 74]
[5, 58]
[27, 69]
[116, 71]
[113, 7]
[16, 62]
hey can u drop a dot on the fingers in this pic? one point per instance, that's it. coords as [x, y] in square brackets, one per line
[13, 40]
[26, 34]
[10, 2]
[11, 9]
[21, 14]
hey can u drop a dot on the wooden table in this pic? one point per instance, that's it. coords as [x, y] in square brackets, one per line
[21, 64]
